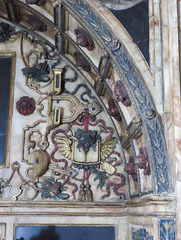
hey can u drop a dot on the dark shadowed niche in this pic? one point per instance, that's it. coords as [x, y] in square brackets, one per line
[5, 81]
[136, 22]
[65, 233]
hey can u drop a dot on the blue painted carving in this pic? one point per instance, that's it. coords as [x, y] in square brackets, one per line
[135, 85]
[141, 234]
[167, 229]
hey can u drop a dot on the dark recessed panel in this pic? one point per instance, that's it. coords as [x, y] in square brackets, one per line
[65, 233]
[5, 81]
[136, 22]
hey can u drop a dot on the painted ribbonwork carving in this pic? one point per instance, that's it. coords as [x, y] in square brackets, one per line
[81, 151]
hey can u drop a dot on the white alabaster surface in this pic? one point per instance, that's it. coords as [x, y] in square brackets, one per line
[19, 146]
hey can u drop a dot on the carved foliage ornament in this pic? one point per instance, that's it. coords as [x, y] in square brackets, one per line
[167, 229]
[141, 234]
[142, 162]
[131, 168]
[53, 189]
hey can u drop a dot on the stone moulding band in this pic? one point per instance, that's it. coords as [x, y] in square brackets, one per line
[134, 85]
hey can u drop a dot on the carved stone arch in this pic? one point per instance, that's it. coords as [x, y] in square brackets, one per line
[133, 81]
[144, 107]
[141, 135]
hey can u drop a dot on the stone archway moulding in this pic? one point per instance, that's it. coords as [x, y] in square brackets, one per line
[134, 85]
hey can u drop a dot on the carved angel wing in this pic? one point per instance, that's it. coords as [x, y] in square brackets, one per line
[64, 146]
[107, 147]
